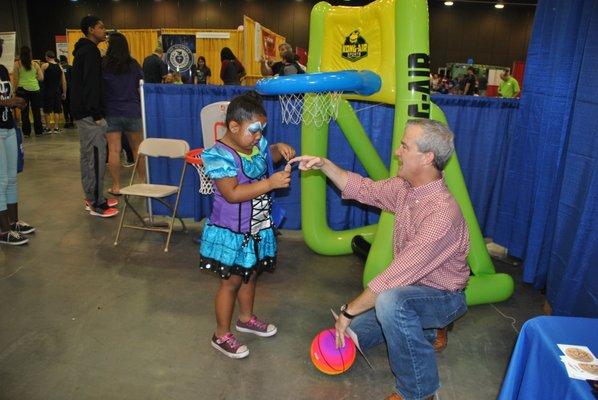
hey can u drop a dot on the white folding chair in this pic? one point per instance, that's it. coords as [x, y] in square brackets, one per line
[171, 148]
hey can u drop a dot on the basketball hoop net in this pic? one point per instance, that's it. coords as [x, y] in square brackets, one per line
[193, 157]
[311, 108]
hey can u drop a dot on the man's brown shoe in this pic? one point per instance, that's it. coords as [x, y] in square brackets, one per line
[441, 340]
[396, 396]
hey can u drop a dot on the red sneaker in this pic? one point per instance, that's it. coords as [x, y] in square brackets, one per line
[103, 211]
[110, 202]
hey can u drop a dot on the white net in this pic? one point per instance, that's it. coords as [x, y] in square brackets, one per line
[312, 108]
[206, 186]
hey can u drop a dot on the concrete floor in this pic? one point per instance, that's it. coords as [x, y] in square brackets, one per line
[83, 319]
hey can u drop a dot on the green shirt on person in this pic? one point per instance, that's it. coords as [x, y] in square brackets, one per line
[28, 79]
[509, 88]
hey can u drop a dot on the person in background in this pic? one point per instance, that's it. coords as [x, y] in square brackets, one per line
[54, 91]
[177, 79]
[231, 70]
[169, 78]
[121, 74]
[290, 65]
[509, 87]
[86, 104]
[27, 75]
[468, 82]
[66, 99]
[482, 85]
[201, 71]
[154, 69]
[12, 230]
[268, 68]
[434, 83]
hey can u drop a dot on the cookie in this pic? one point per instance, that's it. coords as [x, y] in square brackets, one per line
[591, 368]
[579, 354]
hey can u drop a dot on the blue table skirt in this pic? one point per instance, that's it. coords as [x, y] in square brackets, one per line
[536, 371]
[481, 126]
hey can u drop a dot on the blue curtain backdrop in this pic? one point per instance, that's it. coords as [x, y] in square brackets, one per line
[548, 214]
[482, 127]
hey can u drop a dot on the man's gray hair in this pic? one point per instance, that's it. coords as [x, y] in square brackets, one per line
[436, 138]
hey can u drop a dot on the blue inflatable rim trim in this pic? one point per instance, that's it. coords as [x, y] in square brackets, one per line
[364, 83]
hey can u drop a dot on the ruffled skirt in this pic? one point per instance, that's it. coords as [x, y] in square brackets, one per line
[230, 253]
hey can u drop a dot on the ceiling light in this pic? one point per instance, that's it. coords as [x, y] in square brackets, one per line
[448, 3]
[500, 5]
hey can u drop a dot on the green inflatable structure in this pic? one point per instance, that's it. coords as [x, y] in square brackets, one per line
[390, 38]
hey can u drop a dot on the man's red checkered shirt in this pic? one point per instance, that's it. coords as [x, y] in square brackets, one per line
[430, 236]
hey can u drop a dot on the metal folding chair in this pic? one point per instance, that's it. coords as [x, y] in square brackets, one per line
[171, 148]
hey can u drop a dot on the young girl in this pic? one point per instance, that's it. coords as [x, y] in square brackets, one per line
[238, 242]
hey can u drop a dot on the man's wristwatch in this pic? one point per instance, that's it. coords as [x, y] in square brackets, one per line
[345, 313]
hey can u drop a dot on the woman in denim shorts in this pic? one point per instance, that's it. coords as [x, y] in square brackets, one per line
[121, 75]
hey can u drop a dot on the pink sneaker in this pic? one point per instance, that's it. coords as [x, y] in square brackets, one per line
[230, 346]
[256, 327]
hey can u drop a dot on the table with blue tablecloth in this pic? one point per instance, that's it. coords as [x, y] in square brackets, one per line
[536, 371]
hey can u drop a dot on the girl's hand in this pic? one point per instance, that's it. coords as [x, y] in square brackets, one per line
[281, 179]
[286, 151]
[308, 162]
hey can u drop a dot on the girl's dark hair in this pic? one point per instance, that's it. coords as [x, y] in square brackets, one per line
[245, 107]
[118, 58]
[25, 57]
[227, 54]
[201, 58]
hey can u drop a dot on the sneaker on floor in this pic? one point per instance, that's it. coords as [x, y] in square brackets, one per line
[110, 202]
[56, 130]
[127, 164]
[103, 211]
[13, 238]
[22, 227]
[257, 327]
[230, 346]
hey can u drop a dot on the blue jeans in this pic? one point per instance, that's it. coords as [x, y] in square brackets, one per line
[8, 167]
[406, 318]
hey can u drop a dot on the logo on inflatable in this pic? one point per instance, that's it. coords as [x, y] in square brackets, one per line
[355, 47]
[418, 71]
[179, 58]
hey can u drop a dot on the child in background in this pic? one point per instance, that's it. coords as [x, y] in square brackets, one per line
[238, 240]
[177, 79]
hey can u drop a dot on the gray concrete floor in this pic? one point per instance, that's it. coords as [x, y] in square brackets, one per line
[83, 319]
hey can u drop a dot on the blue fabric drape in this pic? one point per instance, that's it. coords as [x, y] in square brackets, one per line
[481, 128]
[548, 214]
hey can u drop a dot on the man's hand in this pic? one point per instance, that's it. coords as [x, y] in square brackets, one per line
[286, 151]
[342, 323]
[101, 122]
[308, 162]
[281, 179]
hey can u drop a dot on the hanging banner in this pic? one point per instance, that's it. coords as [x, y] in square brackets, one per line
[62, 46]
[8, 49]
[180, 54]
[257, 42]
[269, 44]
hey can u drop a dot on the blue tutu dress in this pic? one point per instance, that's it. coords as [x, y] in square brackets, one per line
[238, 238]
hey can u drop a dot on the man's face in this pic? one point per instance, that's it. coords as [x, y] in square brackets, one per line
[412, 160]
[98, 32]
[504, 77]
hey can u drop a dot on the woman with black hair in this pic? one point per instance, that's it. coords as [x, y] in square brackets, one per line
[122, 102]
[202, 71]
[232, 70]
[27, 75]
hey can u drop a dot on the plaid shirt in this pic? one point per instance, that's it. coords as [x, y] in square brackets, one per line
[430, 236]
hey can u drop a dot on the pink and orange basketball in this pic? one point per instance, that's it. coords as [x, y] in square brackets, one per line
[327, 358]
